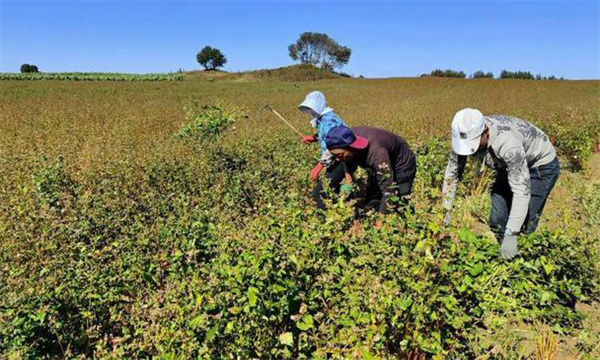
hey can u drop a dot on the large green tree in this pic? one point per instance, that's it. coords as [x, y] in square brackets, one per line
[320, 50]
[28, 68]
[211, 58]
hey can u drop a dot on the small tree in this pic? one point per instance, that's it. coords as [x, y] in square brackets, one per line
[319, 50]
[480, 74]
[526, 75]
[211, 58]
[448, 73]
[28, 68]
[437, 72]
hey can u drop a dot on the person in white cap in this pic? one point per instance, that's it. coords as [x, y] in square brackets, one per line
[526, 164]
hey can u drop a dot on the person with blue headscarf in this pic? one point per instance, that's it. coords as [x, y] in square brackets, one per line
[323, 119]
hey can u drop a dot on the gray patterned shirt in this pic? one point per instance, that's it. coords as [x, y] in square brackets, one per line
[514, 146]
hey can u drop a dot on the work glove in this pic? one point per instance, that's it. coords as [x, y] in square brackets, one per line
[346, 189]
[314, 173]
[309, 139]
[508, 248]
[447, 218]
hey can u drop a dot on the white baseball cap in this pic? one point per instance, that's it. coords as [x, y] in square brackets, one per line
[467, 127]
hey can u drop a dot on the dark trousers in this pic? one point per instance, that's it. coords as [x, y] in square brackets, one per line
[542, 180]
[403, 182]
[335, 175]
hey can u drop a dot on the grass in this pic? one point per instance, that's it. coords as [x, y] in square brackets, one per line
[120, 239]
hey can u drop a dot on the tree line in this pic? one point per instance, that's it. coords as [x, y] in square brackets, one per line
[479, 74]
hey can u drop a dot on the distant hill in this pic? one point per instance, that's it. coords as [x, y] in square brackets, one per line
[301, 72]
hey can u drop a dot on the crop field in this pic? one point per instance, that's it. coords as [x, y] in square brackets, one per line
[78, 76]
[166, 219]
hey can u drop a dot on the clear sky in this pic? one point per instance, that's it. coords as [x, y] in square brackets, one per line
[388, 38]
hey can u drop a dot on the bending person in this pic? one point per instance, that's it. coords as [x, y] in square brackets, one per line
[323, 119]
[387, 158]
[526, 164]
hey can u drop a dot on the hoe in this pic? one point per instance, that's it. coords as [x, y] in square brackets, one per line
[267, 106]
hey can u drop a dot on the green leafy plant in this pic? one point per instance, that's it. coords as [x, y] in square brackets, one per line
[78, 76]
[208, 122]
[576, 143]
[172, 260]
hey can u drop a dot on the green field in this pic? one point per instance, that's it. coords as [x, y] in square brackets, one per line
[79, 76]
[121, 239]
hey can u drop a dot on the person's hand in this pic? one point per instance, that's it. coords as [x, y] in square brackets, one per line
[508, 249]
[378, 224]
[314, 173]
[309, 139]
[447, 218]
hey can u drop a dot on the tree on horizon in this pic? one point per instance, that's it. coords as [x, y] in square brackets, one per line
[211, 58]
[319, 49]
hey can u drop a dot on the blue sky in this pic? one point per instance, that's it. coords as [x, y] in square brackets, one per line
[388, 38]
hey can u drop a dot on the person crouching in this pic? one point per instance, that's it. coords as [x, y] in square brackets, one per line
[387, 158]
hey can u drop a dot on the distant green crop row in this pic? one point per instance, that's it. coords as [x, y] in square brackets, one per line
[77, 76]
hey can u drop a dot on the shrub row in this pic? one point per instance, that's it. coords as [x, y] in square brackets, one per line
[479, 74]
[90, 76]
